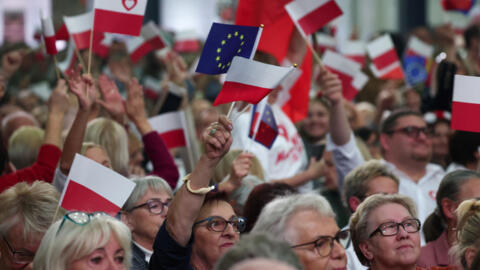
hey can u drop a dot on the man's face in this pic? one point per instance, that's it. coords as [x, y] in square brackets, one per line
[14, 242]
[402, 145]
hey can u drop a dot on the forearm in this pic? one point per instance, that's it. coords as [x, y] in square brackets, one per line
[340, 130]
[74, 140]
[53, 131]
[143, 126]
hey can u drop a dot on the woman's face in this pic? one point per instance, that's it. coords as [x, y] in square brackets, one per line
[441, 135]
[110, 256]
[317, 124]
[402, 249]
[209, 246]
[97, 154]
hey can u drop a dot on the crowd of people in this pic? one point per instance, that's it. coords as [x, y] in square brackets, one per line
[372, 183]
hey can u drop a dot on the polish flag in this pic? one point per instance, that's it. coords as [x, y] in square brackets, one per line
[250, 81]
[68, 64]
[186, 41]
[120, 16]
[154, 35]
[416, 47]
[172, 127]
[311, 15]
[355, 50]
[149, 40]
[49, 36]
[79, 28]
[325, 42]
[348, 71]
[385, 62]
[466, 103]
[93, 187]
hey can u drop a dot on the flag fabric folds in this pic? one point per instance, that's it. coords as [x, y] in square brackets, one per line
[186, 41]
[250, 81]
[149, 40]
[354, 50]
[49, 36]
[93, 187]
[263, 127]
[68, 64]
[120, 16]
[79, 27]
[463, 6]
[172, 128]
[311, 15]
[225, 41]
[385, 63]
[325, 42]
[466, 103]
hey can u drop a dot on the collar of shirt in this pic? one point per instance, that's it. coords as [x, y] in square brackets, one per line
[148, 253]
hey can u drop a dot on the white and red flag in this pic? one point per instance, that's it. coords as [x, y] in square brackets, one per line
[93, 187]
[119, 16]
[250, 81]
[68, 64]
[186, 41]
[49, 36]
[150, 39]
[355, 50]
[311, 15]
[172, 128]
[416, 47]
[325, 42]
[348, 71]
[79, 27]
[466, 103]
[385, 62]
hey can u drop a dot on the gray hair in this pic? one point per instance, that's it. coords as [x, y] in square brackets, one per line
[32, 204]
[468, 215]
[257, 245]
[356, 182]
[23, 146]
[144, 184]
[274, 216]
[61, 247]
[359, 220]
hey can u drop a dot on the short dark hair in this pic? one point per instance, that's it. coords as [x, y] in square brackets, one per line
[463, 146]
[391, 121]
[471, 33]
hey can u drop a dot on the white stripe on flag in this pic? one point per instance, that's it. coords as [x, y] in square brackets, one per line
[47, 26]
[79, 23]
[420, 47]
[325, 40]
[353, 48]
[359, 80]
[150, 30]
[341, 63]
[299, 8]
[249, 72]
[168, 121]
[380, 46]
[134, 43]
[118, 6]
[386, 70]
[67, 62]
[465, 89]
[104, 181]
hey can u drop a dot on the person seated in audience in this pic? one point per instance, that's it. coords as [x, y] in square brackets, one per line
[82, 241]
[26, 212]
[385, 232]
[144, 213]
[24, 145]
[468, 233]
[464, 151]
[261, 263]
[440, 228]
[307, 223]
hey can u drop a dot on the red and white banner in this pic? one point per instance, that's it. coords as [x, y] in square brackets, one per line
[311, 15]
[149, 40]
[385, 62]
[349, 72]
[466, 103]
[250, 81]
[49, 36]
[119, 16]
[172, 128]
[186, 41]
[325, 42]
[419, 48]
[68, 64]
[93, 187]
[355, 50]
[79, 27]
[154, 35]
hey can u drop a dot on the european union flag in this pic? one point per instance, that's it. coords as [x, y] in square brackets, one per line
[415, 70]
[223, 43]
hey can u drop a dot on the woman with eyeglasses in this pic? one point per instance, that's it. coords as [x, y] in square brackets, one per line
[199, 228]
[85, 241]
[385, 232]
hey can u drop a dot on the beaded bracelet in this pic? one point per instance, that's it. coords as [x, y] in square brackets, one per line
[200, 191]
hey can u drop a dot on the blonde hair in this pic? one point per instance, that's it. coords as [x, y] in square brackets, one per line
[468, 229]
[225, 165]
[359, 220]
[113, 138]
[23, 146]
[59, 248]
[32, 204]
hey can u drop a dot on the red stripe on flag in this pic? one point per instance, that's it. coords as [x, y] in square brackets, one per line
[157, 43]
[395, 74]
[318, 17]
[266, 135]
[50, 45]
[82, 40]
[140, 52]
[385, 59]
[186, 46]
[254, 123]
[233, 91]
[464, 116]
[116, 22]
[357, 58]
[80, 198]
[349, 92]
[174, 138]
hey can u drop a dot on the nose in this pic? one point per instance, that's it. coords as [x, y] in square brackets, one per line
[229, 231]
[338, 252]
[402, 233]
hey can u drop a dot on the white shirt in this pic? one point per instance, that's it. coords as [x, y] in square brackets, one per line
[286, 158]
[455, 166]
[353, 263]
[148, 253]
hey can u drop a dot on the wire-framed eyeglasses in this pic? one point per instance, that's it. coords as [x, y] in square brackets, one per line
[324, 244]
[19, 257]
[219, 224]
[154, 206]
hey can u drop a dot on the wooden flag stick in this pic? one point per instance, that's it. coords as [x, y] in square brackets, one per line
[56, 67]
[90, 53]
[56, 213]
[315, 54]
[231, 109]
[80, 58]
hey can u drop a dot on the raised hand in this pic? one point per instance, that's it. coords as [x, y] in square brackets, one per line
[58, 102]
[121, 70]
[176, 68]
[11, 62]
[112, 100]
[218, 138]
[331, 86]
[83, 86]
[135, 104]
[241, 167]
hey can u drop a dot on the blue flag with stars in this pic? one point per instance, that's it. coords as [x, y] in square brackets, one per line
[223, 43]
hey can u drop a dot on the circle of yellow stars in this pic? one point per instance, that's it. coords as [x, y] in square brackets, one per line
[236, 34]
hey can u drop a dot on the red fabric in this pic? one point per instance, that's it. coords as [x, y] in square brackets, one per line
[234, 91]
[74, 200]
[62, 33]
[349, 92]
[50, 45]
[464, 116]
[318, 17]
[386, 59]
[98, 48]
[117, 22]
[43, 169]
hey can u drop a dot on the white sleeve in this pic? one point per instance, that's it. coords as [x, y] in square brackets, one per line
[346, 157]
[59, 180]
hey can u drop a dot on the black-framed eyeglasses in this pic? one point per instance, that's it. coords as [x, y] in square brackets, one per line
[391, 228]
[411, 131]
[19, 257]
[324, 244]
[219, 224]
[154, 206]
[80, 218]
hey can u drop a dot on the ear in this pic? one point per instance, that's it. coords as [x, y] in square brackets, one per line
[384, 141]
[470, 256]
[128, 220]
[448, 208]
[365, 248]
[353, 203]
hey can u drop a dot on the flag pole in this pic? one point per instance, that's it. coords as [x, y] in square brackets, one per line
[90, 50]
[80, 58]
[56, 67]
[56, 213]
[315, 54]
